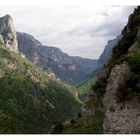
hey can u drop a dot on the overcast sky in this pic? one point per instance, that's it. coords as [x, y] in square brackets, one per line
[77, 30]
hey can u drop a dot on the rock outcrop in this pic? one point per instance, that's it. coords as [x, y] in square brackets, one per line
[113, 103]
[91, 104]
[121, 85]
[120, 116]
[8, 33]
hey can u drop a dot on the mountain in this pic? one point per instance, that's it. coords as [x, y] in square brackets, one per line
[30, 99]
[8, 33]
[107, 52]
[84, 86]
[68, 68]
[112, 105]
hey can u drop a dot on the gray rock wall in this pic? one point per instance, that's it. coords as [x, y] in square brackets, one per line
[8, 33]
[120, 116]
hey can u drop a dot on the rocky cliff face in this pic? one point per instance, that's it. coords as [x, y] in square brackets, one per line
[118, 87]
[70, 69]
[103, 60]
[113, 104]
[106, 54]
[120, 116]
[8, 33]
[31, 100]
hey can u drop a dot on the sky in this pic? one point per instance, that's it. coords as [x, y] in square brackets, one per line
[77, 30]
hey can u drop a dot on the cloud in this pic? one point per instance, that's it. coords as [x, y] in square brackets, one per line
[76, 30]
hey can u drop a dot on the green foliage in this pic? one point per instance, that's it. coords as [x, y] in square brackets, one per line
[120, 54]
[57, 128]
[134, 19]
[133, 81]
[100, 87]
[84, 88]
[72, 121]
[130, 89]
[135, 62]
[128, 39]
[130, 95]
[134, 58]
[30, 101]
[85, 125]
[124, 44]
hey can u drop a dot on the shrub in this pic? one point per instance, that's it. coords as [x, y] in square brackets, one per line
[100, 87]
[57, 128]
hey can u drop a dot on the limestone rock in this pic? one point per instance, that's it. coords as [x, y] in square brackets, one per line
[120, 116]
[116, 79]
[8, 33]
[1, 40]
[91, 104]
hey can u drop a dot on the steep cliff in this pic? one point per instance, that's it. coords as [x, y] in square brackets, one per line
[113, 104]
[70, 69]
[8, 33]
[30, 99]
[107, 52]
[118, 85]
[104, 58]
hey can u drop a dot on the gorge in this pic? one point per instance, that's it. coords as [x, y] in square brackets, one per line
[44, 90]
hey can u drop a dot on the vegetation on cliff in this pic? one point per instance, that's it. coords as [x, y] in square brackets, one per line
[126, 55]
[30, 101]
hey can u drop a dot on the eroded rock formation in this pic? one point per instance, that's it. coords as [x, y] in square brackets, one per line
[8, 33]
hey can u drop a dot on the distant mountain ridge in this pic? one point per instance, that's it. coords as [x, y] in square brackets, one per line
[107, 52]
[68, 68]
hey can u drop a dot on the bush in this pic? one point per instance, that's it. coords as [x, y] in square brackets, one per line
[125, 43]
[100, 87]
[72, 121]
[135, 62]
[57, 128]
[130, 89]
